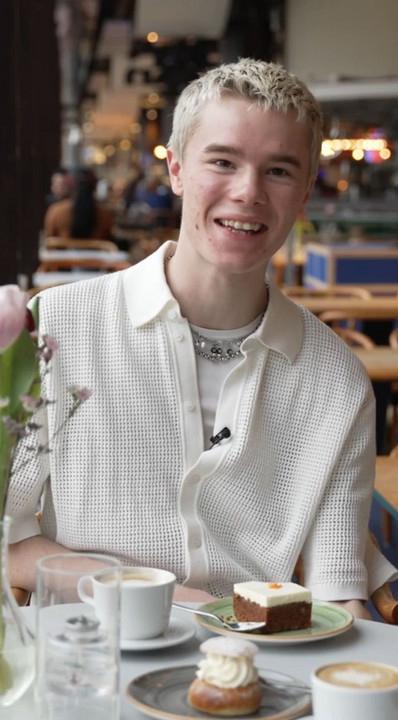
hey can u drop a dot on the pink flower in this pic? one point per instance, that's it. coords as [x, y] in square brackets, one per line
[49, 347]
[51, 343]
[13, 427]
[31, 403]
[79, 393]
[12, 314]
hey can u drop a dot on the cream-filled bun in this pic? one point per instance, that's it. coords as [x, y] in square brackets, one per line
[227, 681]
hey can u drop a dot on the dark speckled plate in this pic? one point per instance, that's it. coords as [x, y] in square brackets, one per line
[163, 694]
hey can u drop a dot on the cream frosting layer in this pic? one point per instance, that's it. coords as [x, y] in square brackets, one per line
[269, 594]
[228, 662]
[226, 671]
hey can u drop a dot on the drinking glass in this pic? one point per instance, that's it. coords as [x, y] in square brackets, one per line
[78, 644]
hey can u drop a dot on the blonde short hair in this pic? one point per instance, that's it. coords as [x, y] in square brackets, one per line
[267, 85]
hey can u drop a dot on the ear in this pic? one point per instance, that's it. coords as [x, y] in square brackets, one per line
[175, 173]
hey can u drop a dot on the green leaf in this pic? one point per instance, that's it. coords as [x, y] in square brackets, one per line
[6, 449]
[19, 370]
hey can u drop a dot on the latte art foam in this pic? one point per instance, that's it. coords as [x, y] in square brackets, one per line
[359, 675]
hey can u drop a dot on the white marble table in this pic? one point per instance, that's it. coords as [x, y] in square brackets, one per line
[366, 640]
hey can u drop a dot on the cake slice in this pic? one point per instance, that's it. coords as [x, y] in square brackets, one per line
[282, 606]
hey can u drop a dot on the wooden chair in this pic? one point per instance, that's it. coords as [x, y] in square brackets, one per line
[386, 604]
[57, 243]
[91, 263]
[330, 291]
[352, 337]
[386, 468]
[393, 340]
[384, 601]
[337, 319]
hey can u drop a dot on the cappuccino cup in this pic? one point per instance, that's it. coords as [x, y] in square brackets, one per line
[355, 690]
[146, 597]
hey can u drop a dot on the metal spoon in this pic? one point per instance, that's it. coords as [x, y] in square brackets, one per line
[236, 626]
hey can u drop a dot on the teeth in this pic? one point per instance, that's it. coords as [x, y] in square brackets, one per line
[254, 227]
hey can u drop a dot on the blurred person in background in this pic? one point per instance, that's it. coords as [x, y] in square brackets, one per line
[149, 201]
[60, 187]
[79, 216]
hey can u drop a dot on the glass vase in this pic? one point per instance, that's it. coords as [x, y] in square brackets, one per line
[17, 645]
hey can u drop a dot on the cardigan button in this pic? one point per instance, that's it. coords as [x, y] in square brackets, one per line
[190, 406]
[179, 337]
[172, 314]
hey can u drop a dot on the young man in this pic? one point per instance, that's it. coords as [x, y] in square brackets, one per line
[229, 431]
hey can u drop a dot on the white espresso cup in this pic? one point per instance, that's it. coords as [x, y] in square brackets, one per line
[355, 690]
[146, 597]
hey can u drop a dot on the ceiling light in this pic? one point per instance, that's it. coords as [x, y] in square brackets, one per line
[358, 153]
[152, 37]
[160, 152]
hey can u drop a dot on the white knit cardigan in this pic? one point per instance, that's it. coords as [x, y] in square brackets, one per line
[128, 475]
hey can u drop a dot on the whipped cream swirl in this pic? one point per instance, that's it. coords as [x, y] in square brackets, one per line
[226, 671]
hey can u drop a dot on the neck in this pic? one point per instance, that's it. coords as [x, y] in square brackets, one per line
[216, 300]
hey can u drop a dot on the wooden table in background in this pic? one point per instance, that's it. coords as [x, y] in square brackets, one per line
[376, 308]
[381, 362]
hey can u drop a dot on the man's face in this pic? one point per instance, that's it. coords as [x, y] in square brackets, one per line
[244, 178]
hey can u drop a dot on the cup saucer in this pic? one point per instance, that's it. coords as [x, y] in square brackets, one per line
[177, 632]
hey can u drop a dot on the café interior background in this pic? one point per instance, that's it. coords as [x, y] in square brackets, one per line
[93, 82]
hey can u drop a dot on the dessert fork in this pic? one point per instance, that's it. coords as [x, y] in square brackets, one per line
[230, 625]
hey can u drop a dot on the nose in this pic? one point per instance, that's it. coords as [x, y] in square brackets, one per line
[249, 188]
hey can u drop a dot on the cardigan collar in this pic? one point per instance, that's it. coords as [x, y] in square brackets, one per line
[148, 296]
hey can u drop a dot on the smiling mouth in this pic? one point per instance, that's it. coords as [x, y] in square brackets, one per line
[249, 228]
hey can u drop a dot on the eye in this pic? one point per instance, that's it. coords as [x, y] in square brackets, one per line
[222, 163]
[278, 172]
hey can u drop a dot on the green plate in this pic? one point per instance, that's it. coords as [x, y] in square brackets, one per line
[328, 620]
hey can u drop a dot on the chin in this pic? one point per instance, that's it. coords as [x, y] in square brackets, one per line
[241, 264]
[240, 256]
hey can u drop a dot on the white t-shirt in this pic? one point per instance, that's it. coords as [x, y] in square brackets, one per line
[211, 374]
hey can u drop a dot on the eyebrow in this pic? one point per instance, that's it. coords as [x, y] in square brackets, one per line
[275, 157]
[222, 149]
[288, 159]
